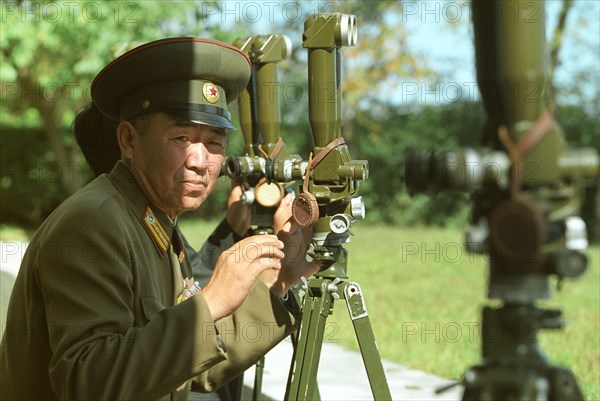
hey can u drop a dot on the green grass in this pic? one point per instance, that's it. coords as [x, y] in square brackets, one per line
[424, 295]
[196, 232]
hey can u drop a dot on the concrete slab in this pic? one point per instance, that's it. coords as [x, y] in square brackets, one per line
[342, 376]
[11, 254]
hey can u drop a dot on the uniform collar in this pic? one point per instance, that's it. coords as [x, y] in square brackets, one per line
[157, 224]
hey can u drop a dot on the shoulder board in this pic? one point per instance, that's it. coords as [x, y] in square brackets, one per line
[156, 230]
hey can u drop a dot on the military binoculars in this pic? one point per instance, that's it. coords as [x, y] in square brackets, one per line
[329, 176]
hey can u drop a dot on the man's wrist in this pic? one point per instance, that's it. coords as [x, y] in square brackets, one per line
[239, 233]
[279, 289]
[222, 231]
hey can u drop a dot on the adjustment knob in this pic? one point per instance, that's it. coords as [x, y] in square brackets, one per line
[247, 197]
[340, 223]
[357, 208]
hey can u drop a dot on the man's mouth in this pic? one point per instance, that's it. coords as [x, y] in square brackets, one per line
[195, 184]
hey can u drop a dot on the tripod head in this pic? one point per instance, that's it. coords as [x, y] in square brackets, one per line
[527, 191]
[327, 200]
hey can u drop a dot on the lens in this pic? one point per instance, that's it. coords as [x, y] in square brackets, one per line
[233, 168]
[463, 170]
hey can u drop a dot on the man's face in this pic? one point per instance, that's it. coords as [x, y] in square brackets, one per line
[177, 162]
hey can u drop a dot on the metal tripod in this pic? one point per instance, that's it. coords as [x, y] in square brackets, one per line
[321, 293]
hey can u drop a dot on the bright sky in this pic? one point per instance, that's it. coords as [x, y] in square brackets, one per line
[440, 31]
[440, 34]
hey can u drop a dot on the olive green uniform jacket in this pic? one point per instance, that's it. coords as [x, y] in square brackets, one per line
[94, 314]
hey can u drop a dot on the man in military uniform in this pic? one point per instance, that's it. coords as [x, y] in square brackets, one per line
[105, 306]
[95, 135]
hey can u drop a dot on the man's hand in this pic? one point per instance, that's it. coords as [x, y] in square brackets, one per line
[237, 269]
[238, 213]
[296, 242]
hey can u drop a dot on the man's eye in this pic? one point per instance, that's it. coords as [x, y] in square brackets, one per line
[181, 139]
[216, 144]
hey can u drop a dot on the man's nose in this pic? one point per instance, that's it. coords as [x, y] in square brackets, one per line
[197, 157]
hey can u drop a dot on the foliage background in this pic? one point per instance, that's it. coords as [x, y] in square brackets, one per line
[51, 50]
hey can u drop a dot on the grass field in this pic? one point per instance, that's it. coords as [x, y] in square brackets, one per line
[424, 296]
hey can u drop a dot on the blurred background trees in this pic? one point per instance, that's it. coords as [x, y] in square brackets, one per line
[50, 52]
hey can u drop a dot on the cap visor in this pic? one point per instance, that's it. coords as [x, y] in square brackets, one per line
[203, 118]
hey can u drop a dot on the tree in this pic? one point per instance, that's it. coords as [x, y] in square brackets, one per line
[52, 50]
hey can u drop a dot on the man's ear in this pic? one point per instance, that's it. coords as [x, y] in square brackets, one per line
[126, 136]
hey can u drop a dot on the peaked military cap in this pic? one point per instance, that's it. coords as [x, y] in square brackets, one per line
[185, 77]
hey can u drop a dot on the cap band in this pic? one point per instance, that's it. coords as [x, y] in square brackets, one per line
[129, 110]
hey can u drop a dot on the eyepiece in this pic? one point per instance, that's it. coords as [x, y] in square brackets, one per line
[232, 167]
[244, 167]
[346, 33]
[329, 30]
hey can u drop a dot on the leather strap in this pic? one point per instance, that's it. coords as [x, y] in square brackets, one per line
[516, 151]
[312, 163]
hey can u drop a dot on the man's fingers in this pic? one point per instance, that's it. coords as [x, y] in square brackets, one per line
[267, 239]
[313, 267]
[261, 246]
[263, 264]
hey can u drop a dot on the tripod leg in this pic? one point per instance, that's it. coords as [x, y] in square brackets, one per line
[258, 376]
[317, 307]
[366, 341]
[235, 388]
[294, 338]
